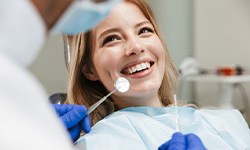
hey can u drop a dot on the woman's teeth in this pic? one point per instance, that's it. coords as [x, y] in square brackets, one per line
[137, 68]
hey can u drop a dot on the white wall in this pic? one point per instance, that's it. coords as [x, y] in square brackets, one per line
[49, 67]
[175, 18]
[222, 32]
[222, 37]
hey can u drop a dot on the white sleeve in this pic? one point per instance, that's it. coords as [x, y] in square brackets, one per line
[22, 30]
[27, 121]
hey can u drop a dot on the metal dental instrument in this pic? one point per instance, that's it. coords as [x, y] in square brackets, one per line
[177, 123]
[121, 85]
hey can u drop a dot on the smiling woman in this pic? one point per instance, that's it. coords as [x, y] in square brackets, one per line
[123, 45]
[128, 44]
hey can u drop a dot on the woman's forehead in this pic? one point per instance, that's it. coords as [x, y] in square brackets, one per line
[124, 13]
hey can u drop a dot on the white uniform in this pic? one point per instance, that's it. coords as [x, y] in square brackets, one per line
[27, 121]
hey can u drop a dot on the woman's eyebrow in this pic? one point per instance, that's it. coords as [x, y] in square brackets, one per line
[108, 31]
[117, 29]
[142, 23]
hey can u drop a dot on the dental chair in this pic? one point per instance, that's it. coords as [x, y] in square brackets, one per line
[58, 98]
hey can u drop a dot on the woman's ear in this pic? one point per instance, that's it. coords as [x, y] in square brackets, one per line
[89, 73]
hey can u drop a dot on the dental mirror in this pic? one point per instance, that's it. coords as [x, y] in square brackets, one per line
[121, 85]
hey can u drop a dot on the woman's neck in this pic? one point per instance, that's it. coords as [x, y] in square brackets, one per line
[142, 101]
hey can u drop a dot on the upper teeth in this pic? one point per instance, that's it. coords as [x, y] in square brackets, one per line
[138, 67]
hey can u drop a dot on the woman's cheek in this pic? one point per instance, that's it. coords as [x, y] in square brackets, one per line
[106, 61]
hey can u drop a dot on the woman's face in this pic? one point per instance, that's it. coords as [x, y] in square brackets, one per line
[126, 45]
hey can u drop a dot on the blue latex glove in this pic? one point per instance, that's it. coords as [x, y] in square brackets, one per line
[183, 142]
[74, 117]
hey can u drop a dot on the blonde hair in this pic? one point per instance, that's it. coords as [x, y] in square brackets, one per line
[85, 92]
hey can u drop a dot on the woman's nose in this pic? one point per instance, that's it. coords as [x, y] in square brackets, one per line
[134, 47]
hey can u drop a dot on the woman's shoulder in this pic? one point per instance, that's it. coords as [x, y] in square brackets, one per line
[111, 132]
[114, 123]
[223, 117]
[219, 112]
[212, 113]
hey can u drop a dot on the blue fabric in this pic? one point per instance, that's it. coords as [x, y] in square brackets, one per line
[148, 128]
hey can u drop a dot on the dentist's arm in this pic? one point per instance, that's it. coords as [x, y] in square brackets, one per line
[52, 10]
[74, 117]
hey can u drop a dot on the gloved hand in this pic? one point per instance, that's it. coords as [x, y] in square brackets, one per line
[74, 117]
[183, 142]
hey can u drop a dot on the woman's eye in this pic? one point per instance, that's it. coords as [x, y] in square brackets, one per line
[110, 39]
[146, 30]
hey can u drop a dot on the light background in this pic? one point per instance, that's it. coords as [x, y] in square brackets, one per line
[215, 32]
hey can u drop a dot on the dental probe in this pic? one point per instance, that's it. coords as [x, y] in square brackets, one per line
[177, 125]
[121, 84]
